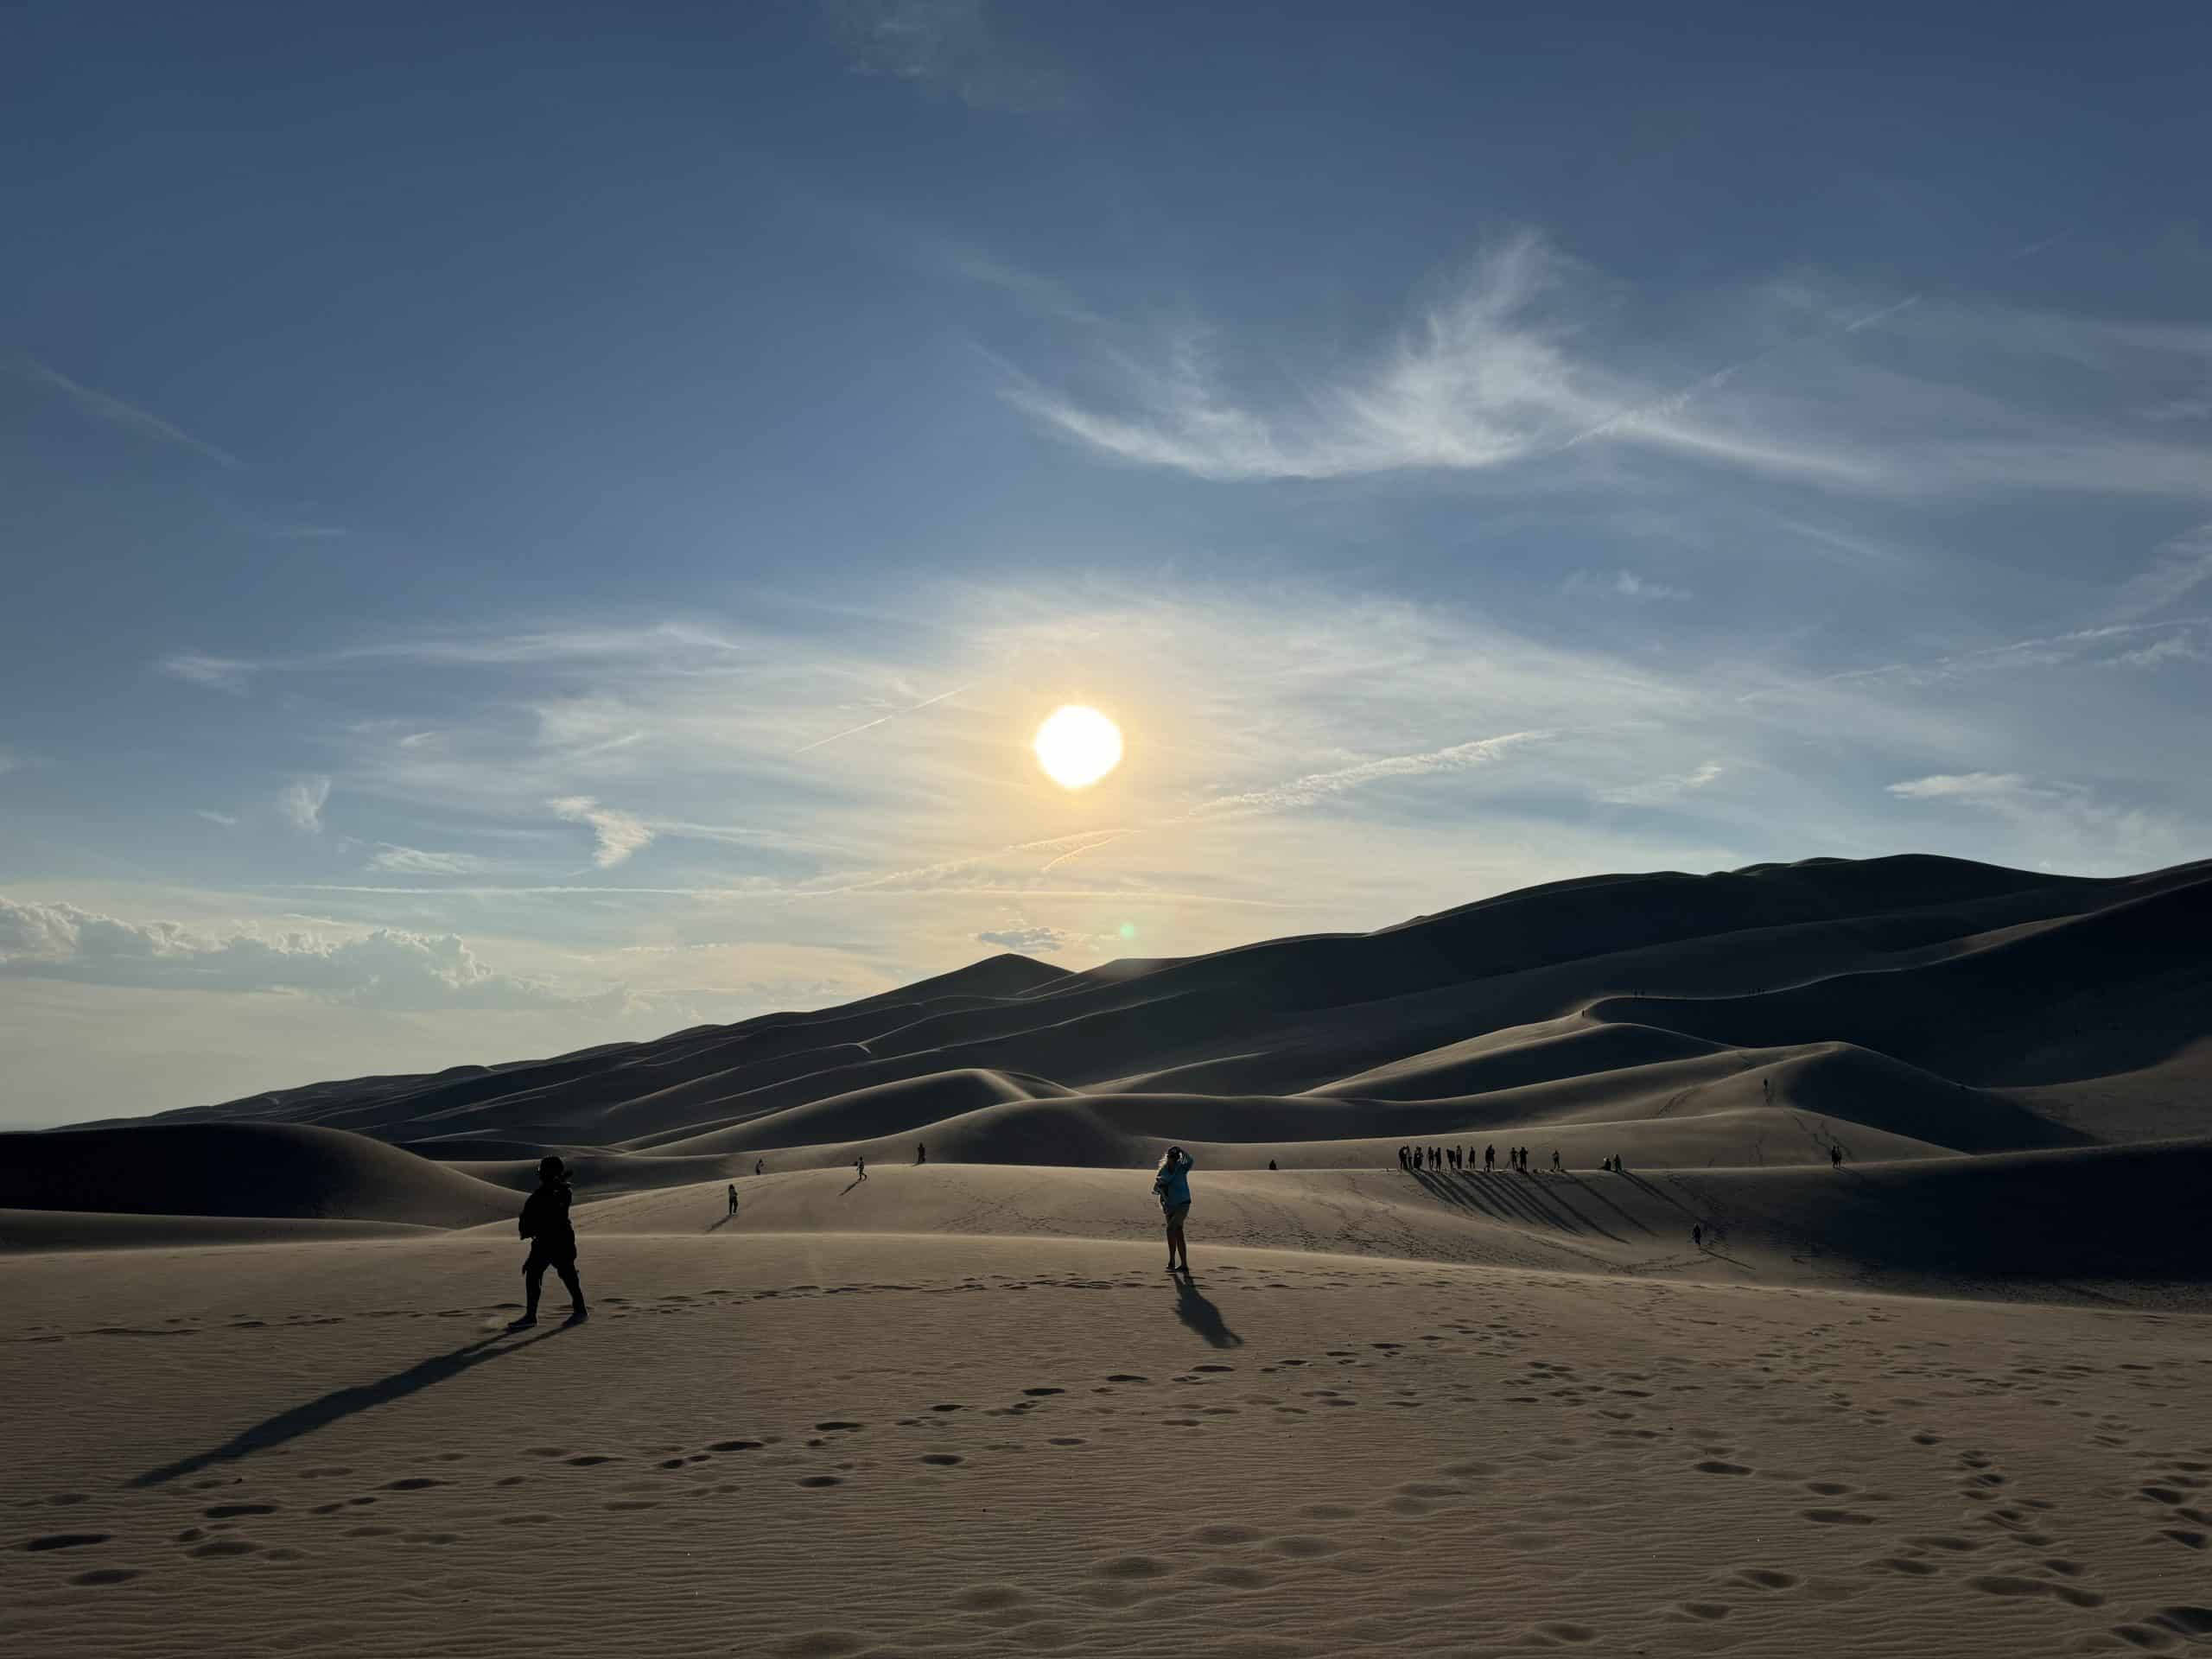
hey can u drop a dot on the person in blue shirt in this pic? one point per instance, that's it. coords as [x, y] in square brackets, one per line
[1171, 1186]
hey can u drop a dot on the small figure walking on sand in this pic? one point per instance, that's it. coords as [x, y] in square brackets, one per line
[1835, 1157]
[760, 1165]
[1555, 1170]
[1697, 1235]
[545, 1223]
[732, 1197]
[921, 1153]
[1490, 1159]
[1171, 1183]
[860, 1163]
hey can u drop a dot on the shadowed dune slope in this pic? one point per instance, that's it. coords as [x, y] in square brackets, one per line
[1905, 1003]
[238, 1169]
[2012, 1224]
[31, 1232]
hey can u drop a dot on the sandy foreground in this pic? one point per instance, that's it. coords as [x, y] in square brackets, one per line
[829, 1444]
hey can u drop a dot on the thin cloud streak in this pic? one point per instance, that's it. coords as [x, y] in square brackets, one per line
[870, 725]
[117, 412]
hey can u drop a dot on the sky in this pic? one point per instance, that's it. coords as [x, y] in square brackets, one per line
[527, 527]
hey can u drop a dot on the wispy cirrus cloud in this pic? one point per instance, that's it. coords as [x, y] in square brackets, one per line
[2070, 819]
[1617, 584]
[217, 673]
[1658, 791]
[1520, 364]
[2177, 570]
[949, 46]
[300, 803]
[119, 412]
[618, 834]
[1316, 786]
[228, 820]
[415, 861]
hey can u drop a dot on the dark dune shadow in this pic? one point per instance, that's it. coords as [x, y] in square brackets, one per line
[1526, 1199]
[1596, 1191]
[1664, 1197]
[344, 1402]
[1202, 1316]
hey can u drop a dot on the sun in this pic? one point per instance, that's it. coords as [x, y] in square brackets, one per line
[1077, 746]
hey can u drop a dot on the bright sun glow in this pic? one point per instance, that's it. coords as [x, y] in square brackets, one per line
[1077, 746]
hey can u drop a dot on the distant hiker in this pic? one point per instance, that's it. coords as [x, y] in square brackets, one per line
[760, 1165]
[860, 1163]
[1171, 1183]
[1555, 1170]
[1767, 1083]
[1452, 1153]
[545, 1223]
[1619, 1168]
[1436, 1157]
[1835, 1157]
[921, 1153]
[1271, 1163]
[1490, 1159]
[1697, 1235]
[732, 1197]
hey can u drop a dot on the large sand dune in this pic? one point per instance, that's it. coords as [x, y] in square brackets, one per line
[1951, 1396]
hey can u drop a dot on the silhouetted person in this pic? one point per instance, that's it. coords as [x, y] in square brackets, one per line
[545, 1223]
[732, 1197]
[921, 1153]
[1405, 1159]
[1697, 1235]
[1271, 1163]
[860, 1163]
[1171, 1183]
[1436, 1157]
[1619, 1168]
[1555, 1160]
[1490, 1158]
[760, 1165]
[1835, 1157]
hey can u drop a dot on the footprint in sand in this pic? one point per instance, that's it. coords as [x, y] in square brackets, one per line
[66, 1541]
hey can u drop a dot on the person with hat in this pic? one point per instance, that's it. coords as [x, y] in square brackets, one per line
[552, 1242]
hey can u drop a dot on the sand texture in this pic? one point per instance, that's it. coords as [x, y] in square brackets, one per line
[1954, 1396]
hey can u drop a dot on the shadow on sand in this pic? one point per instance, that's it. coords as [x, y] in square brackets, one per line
[1202, 1316]
[344, 1402]
[717, 1226]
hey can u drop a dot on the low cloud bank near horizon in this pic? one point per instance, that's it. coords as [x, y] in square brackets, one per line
[387, 968]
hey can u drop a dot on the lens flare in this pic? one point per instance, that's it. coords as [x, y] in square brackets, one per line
[1077, 746]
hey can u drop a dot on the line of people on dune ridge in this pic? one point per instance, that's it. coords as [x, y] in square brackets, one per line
[1415, 1158]
[1418, 1158]
[545, 1225]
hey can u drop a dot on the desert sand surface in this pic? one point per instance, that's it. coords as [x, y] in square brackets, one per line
[1951, 1396]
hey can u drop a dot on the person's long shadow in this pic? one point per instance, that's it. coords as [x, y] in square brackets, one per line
[716, 1227]
[343, 1402]
[855, 1182]
[1202, 1316]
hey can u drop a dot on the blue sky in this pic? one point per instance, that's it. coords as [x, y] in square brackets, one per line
[528, 526]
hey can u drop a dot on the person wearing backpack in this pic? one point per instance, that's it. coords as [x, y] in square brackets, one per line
[552, 1238]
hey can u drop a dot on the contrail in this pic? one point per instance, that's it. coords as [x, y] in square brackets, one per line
[879, 719]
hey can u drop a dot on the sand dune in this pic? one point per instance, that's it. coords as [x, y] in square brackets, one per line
[1949, 1004]
[238, 1169]
[1949, 1398]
